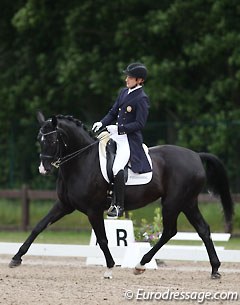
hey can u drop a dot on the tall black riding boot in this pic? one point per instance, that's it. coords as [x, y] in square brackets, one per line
[117, 209]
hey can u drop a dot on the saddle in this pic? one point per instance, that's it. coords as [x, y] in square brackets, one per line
[107, 153]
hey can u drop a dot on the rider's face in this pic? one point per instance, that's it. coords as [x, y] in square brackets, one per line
[132, 81]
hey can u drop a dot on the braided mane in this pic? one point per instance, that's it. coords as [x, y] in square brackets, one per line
[77, 123]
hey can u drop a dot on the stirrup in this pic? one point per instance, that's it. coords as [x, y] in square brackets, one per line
[115, 211]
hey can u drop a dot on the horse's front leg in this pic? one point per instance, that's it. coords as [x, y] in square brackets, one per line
[56, 213]
[97, 222]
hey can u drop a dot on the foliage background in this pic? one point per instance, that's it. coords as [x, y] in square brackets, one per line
[68, 57]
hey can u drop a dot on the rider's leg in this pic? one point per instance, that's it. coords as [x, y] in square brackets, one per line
[117, 209]
[122, 157]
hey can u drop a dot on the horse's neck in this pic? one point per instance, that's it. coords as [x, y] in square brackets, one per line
[78, 138]
[80, 150]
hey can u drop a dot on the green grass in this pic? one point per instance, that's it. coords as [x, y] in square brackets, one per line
[74, 221]
[212, 212]
[10, 216]
[232, 244]
[75, 228]
[48, 237]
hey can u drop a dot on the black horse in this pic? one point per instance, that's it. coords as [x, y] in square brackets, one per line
[178, 178]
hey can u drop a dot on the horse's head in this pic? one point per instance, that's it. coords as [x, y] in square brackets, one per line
[48, 137]
[61, 139]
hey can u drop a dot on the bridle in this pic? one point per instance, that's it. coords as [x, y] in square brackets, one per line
[44, 156]
[61, 160]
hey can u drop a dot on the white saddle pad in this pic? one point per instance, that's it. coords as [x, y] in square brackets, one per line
[133, 178]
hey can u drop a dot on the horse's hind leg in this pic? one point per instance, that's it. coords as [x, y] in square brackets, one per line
[56, 213]
[196, 219]
[169, 216]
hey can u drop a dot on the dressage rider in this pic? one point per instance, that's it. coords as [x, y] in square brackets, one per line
[130, 112]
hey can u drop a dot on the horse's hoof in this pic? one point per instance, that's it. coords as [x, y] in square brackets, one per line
[139, 269]
[108, 274]
[15, 263]
[215, 276]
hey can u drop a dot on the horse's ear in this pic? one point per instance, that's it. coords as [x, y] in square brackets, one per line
[54, 121]
[40, 118]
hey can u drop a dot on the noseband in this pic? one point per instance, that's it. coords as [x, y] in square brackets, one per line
[43, 156]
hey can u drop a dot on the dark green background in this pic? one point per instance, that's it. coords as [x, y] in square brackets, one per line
[67, 57]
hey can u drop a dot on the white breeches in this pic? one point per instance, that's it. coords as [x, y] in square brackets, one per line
[122, 154]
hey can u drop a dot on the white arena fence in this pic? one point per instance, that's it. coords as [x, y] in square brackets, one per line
[126, 252]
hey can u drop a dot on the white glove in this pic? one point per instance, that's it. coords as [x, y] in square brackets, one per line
[112, 129]
[96, 126]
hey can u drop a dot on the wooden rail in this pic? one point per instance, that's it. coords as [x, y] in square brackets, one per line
[26, 195]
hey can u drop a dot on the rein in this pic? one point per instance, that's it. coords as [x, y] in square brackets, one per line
[68, 157]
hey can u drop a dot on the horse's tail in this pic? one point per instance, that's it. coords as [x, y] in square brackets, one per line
[218, 183]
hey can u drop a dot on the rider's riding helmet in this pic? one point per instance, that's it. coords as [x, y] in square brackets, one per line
[137, 70]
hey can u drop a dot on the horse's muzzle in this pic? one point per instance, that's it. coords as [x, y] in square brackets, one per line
[42, 170]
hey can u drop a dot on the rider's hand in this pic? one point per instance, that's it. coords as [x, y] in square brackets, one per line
[96, 126]
[112, 129]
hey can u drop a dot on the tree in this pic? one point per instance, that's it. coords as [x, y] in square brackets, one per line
[68, 57]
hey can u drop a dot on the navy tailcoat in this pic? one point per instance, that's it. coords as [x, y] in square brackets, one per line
[130, 112]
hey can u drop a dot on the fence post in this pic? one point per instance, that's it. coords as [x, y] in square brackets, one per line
[25, 208]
